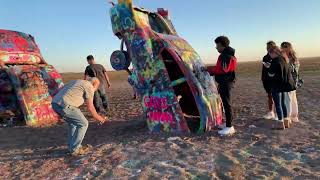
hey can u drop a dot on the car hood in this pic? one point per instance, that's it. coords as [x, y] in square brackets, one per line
[17, 47]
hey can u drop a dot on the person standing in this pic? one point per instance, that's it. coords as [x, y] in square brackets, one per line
[282, 84]
[225, 76]
[294, 65]
[266, 80]
[100, 100]
[66, 104]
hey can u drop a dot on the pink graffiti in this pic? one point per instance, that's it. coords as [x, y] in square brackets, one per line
[43, 111]
[163, 117]
[155, 102]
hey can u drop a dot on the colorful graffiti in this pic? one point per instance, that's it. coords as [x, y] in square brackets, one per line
[18, 48]
[33, 95]
[156, 107]
[167, 71]
[30, 82]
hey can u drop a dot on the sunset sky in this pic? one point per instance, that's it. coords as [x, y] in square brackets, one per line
[68, 30]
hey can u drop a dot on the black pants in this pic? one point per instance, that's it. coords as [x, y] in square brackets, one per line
[225, 94]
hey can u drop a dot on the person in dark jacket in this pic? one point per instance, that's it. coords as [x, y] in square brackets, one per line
[225, 76]
[294, 65]
[282, 83]
[266, 80]
[100, 100]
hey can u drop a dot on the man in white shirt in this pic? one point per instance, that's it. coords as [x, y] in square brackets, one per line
[67, 102]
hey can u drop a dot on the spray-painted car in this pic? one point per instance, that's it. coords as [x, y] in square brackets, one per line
[176, 94]
[27, 82]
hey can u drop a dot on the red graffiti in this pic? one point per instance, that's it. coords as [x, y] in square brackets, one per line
[155, 102]
[163, 117]
[43, 110]
[21, 43]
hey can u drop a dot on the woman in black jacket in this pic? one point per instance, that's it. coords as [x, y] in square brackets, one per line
[282, 83]
[294, 65]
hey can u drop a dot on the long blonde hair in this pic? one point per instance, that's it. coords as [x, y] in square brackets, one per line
[291, 53]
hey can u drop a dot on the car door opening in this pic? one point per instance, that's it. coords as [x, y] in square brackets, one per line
[182, 91]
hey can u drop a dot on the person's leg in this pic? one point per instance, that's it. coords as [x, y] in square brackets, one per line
[71, 128]
[277, 102]
[271, 113]
[71, 132]
[97, 102]
[135, 95]
[285, 104]
[293, 106]
[104, 97]
[225, 94]
[270, 102]
[80, 124]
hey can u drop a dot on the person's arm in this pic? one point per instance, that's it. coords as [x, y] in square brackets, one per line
[94, 113]
[297, 67]
[86, 76]
[263, 71]
[272, 71]
[107, 78]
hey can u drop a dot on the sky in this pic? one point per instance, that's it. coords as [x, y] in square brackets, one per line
[69, 30]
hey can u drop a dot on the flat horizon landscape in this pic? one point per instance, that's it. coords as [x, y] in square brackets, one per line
[312, 64]
[124, 149]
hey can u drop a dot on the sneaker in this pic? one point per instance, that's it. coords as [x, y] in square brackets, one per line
[81, 151]
[270, 115]
[227, 131]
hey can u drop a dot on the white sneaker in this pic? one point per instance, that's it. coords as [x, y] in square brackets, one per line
[270, 115]
[227, 131]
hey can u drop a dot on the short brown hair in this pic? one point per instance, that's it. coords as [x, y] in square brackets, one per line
[271, 43]
[90, 57]
[223, 40]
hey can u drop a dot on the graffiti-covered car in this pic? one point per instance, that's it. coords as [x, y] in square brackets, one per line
[27, 82]
[176, 94]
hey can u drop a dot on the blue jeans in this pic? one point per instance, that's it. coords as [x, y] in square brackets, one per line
[282, 104]
[100, 100]
[77, 124]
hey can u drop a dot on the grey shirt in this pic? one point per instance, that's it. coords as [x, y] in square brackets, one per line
[74, 93]
[97, 70]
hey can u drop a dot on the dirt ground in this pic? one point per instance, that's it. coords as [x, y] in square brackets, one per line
[124, 149]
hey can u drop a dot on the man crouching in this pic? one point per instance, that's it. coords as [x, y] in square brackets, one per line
[66, 104]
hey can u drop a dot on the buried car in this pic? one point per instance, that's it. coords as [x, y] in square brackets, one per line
[27, 82]
[176, 94]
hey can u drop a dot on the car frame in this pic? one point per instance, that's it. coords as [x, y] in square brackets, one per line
[176, 93]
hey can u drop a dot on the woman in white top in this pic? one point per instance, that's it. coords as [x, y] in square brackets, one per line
[294, 63]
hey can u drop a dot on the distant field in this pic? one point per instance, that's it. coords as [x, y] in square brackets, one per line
[308, 66]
